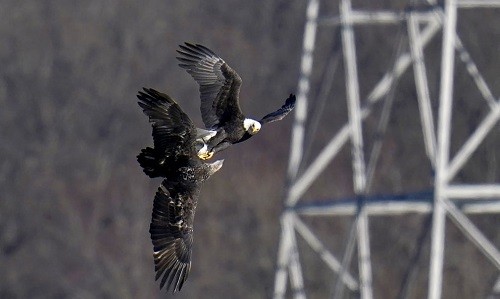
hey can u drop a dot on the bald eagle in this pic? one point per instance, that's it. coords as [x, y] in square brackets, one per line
[175, 157]
[219, 93]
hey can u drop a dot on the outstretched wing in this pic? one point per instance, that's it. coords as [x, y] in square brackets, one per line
[172, 235]
[280, 113]
[173, 130]
[219, 84]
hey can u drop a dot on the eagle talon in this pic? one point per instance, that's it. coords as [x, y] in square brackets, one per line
[206, 156]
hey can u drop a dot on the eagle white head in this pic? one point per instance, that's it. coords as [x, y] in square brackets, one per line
[251, 126]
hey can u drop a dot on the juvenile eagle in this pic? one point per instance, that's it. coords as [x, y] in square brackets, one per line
[175, 157]
[175, 137]
[219, 93]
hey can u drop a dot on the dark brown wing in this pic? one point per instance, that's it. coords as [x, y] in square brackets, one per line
[172, 234]
[219, 84]
[171, 126]
[280, 113]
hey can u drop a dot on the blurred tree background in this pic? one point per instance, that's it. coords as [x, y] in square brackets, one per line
[75, 206]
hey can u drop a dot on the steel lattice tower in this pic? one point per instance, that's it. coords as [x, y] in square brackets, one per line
[447, 199]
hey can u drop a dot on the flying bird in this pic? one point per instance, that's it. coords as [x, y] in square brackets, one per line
[219, 94]
[174, 135]
[175, 157]
[171, 226]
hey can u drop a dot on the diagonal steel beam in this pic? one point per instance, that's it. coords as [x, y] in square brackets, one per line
[325, 254]
[402, 63]
[473, 233]
[424, 99]
[473, 142]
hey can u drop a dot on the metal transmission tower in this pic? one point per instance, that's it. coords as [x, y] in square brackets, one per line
[455, 200]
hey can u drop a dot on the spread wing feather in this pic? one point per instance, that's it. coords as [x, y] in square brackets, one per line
[219, 84]
[171, 232]
[171, 126]
[281, 112]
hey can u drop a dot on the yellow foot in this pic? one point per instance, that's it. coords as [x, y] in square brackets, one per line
[206, 156]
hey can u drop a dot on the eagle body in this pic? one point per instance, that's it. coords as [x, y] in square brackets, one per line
[223, 139]
[219, 87]
[174, 156]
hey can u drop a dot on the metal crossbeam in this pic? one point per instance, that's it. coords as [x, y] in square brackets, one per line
[366, 17]
[473, 191]
[478, 3]
[392, 206]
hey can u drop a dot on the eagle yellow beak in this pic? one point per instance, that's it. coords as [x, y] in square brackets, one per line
[251, 126]
[255, 127]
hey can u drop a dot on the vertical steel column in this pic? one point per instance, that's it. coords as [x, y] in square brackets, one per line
[287, 238]
[288, 260]
[296, 277]
[354, 107]
[441, 182]
[283, 257]
[297, 144]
